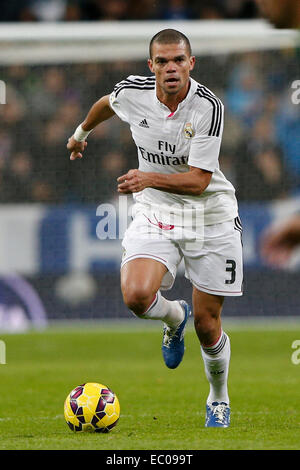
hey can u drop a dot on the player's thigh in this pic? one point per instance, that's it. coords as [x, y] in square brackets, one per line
[141, 277]
[217, 267]
[158, 253]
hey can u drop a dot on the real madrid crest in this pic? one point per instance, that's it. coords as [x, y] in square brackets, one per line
[188, 131]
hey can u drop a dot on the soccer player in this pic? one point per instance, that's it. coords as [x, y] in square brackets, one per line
[184, 207]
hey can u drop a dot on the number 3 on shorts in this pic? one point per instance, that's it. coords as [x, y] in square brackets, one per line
[231, 268]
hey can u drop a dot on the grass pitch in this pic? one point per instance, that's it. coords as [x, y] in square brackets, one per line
[161, 409]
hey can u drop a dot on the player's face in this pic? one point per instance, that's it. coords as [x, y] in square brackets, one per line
[171, 64]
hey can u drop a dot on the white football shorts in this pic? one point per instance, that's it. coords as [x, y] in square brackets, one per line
[212, 254]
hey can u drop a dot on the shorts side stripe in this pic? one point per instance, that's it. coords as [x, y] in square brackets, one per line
[218, 292]
[146, 255]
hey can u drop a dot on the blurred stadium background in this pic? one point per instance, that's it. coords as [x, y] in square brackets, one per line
[57, 58]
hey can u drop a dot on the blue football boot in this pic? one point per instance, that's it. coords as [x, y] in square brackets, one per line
[217, 415]
[173, 340]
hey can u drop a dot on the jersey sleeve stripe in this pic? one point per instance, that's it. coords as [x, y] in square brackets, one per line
[146, 81]
[142, 80]
[220, 109]
[217, 112]
[214, 111]
[215, 129]
[136, 87]
[136, 82]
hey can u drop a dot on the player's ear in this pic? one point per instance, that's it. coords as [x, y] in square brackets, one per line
[150, 65]
[192, 62]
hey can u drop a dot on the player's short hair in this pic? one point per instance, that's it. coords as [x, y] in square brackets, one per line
[170, 36]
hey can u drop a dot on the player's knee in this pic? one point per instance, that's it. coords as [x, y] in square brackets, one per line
[137, 297]
[205, 320]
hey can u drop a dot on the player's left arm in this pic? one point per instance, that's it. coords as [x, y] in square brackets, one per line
[192, 182]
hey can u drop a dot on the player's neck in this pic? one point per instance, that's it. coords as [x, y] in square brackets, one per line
[172, 100]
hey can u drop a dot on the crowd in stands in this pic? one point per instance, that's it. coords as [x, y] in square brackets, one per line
[259, 154]
[87, 10]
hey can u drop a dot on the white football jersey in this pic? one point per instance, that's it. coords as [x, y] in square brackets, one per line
[171, 142]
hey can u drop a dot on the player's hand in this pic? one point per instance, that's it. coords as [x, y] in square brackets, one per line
[279, 243]
[76, 148]
[133, 182]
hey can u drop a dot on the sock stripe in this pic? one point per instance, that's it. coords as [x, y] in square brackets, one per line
[153, 303]
[218, 348]
[215, 343]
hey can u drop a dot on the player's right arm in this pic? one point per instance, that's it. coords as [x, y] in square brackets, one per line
[99, 112]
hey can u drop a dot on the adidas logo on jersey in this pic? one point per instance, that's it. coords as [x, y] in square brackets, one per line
[144, 123]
